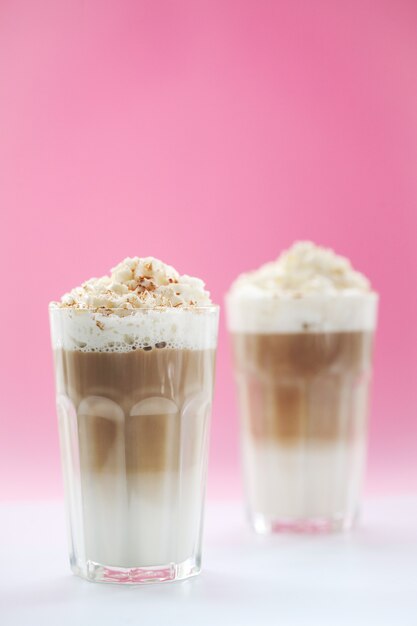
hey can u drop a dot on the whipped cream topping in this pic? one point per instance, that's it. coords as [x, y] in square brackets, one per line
[142, 304]
[137, 283]
[307, 289]
[305, 269]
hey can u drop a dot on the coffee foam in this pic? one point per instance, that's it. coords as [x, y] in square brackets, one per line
[305, 269]
[307, 289]
[309, 314]
[123, 331]
[138, 283]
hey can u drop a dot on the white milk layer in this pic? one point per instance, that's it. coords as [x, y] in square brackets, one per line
[143, 519]
[128, 518]
[266, 314]
[318, 481]
[180, 328]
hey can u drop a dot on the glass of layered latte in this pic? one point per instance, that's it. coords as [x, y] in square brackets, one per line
[134, 362]
[302, 330]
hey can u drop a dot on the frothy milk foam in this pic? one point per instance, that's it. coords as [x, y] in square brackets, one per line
[100, 315]
[308, 288]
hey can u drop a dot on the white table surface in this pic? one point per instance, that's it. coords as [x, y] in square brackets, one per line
[365, 578]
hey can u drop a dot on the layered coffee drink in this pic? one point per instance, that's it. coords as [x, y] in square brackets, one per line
[302, 331]
[134, 359]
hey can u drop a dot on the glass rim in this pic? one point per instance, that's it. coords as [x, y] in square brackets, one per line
[55, 306]
[308, 297]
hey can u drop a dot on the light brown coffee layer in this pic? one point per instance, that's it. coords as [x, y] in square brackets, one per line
[303, 386]
[138, 411]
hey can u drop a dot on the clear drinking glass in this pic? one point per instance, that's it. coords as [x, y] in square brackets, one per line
[134, 392]
[302, 369]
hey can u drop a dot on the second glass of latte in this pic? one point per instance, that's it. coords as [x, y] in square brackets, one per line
[302, 333]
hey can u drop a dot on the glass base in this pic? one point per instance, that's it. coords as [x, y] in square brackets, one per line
[314, 525]
[99, 573]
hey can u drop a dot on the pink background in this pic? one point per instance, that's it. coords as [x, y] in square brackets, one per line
[210, 134]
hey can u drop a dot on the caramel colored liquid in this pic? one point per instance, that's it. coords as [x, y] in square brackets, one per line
[137, 400]
[298, 386]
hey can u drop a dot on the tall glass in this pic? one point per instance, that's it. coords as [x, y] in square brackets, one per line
[302, 368]
[134, 392]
